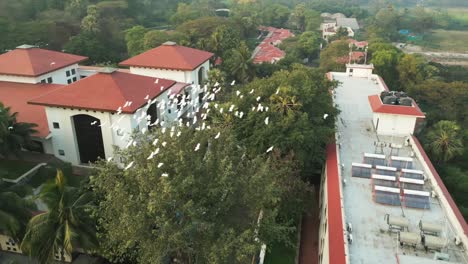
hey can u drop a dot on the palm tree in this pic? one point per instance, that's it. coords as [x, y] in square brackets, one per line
[239, 62]
[284, 103]
[65, 226]
[445, 140]
[14, 213]
[14, 135]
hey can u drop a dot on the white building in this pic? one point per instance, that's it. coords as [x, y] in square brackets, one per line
[381, 200]
[91, 116]
[28, 72]
[29, 64]
[332, 24]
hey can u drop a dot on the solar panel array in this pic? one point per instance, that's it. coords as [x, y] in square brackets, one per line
[395, 184]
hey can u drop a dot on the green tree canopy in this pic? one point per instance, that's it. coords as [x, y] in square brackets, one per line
[445, 140]
[191, 205]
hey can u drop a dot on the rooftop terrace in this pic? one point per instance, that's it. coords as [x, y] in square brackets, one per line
[372, 241]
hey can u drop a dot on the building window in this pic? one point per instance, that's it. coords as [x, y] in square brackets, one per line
[68, 73]
[61, 152]
[49, 80]
[73, 71]
[119, 132]
[56, 125]
[82, 76]
[69, 81]
[43, 81]
[74, 79]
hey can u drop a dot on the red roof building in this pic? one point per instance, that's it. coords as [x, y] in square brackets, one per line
[379, 107]
[169, 56]
[17, 95]
[267, 51]
[31, 61]
[106, 92]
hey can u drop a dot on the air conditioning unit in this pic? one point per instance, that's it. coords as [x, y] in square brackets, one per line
[350, 238]
[349, 227]
[433, 194]
[344, 182]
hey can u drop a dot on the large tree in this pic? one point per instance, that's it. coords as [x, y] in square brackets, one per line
[200, 199]
[65, 225]
[445, 140]
[14, 135]
[15, 212]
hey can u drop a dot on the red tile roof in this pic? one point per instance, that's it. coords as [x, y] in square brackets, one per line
[168, 56]
[441, 184]
[32, 62]
[267, 51]
[359, 44]
[178, 87]
[379, 107]
[106, 92]
[334, 212]
[355, 56]
[17, 95]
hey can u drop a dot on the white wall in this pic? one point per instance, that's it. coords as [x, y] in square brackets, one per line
[59, 76]
[64, 138]
[179, 76]
[323, 249]
[359, 72]
[9, 247]
[389, 124]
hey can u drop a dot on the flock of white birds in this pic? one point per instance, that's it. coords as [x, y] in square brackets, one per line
[181, 101]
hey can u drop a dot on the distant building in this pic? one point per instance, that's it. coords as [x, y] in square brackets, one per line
[331, 24]
[267, 51]
[381, 200]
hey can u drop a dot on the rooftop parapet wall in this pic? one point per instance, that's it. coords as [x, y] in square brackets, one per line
[453, 213]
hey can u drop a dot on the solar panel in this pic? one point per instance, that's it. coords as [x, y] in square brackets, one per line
[417, 201]
[383, 170]
[387, 195]
[374, 159]
[361, 170]
[413, 174]
[401, 162]
[387, 198]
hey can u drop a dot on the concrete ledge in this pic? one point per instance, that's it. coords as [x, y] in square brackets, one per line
[26, 175]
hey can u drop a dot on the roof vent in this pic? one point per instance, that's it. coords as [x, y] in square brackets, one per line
[108, 70]
[25, 46]
[169, 43]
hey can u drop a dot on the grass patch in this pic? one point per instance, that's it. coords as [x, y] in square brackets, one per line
[12, 169]
[446, 41]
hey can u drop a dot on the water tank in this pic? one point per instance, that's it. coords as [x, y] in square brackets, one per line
[391, 99]
[406, 101]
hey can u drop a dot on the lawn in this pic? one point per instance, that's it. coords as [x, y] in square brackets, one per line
[458, 13]
[446, 41]
[12, 169]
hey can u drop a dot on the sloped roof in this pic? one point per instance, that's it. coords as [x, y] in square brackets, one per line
[379, 107]
[17, 95]
[267, 51]
[170, 56]
[106, 92]
[32, 61]
[347, 22]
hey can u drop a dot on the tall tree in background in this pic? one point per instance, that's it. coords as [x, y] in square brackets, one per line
[188, 204]
[238, 63]
[135, 40]
[445, 140]
[14, 135]
[64, 226]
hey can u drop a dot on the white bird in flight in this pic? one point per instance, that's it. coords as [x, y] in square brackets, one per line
[129, 165]
[217, 135]
[164, 175]
[325, 116]
[266, 120]
[157, 80]
[197, 147]
[93, 123]
[233, 82]
[269, 149]
[160, 165]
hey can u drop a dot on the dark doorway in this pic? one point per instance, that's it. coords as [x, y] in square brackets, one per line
[153, 113]
[89, 138]
[201, 77]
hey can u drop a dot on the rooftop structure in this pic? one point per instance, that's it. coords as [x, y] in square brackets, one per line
[32, 61]
[107, 91]
[382, 200]
[17, 95]
[347, 22]
[267, 51]
[169, 56]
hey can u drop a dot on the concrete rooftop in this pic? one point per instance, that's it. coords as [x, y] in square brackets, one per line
[372, 242]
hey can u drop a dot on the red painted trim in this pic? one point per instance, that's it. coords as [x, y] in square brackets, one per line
[441, 184]
[335, 217]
